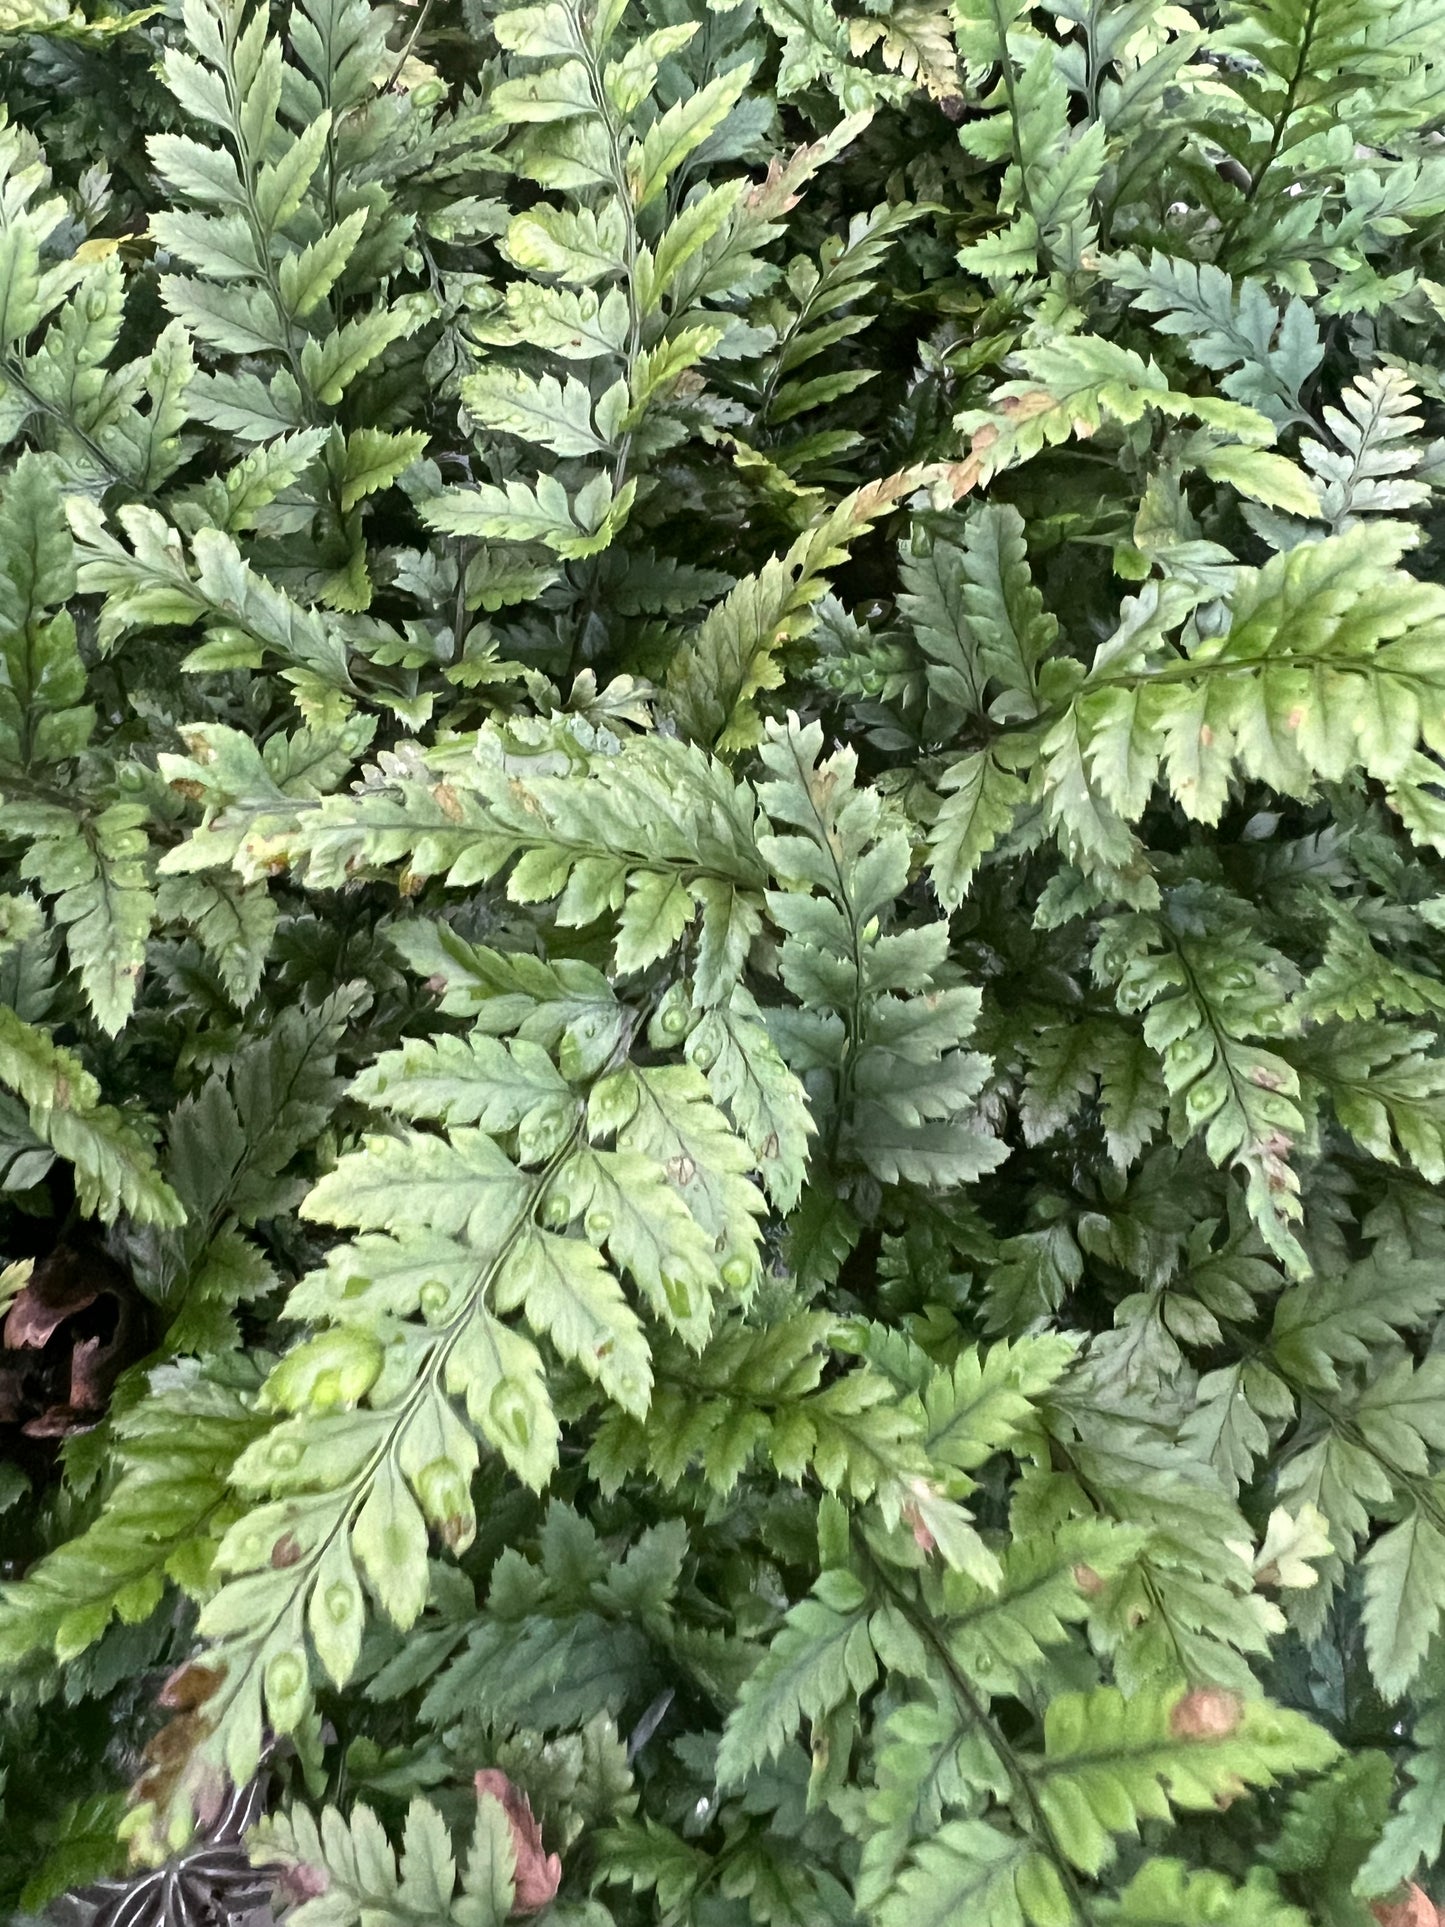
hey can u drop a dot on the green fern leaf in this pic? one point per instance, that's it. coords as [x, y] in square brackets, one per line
[1111, 1762]
[115, 1168]
[1167, 1893]
[821, 1654]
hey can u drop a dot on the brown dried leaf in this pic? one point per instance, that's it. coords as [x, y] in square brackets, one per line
[56, 1292]
[57, 1422]
[90, 1376]
[782, 188]
[70, 1331]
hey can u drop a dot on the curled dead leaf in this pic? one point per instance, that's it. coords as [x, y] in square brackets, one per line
[70, 1331]
[539, 1873]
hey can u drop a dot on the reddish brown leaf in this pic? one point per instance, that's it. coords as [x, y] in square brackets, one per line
[90, 1381]
[539, 1873]
[922, 1536]
[1414, 1908]
[299, 1881]
[173, 1759]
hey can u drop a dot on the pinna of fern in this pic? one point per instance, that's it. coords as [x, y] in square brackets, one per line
[762, 1029]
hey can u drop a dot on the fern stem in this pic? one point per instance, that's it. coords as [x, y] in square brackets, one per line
[422, 1388]
[15, 375]
[1006, 77]
[1277, 133]
[260, 233]
[631, 239]
[407, 45]
[926, 1627]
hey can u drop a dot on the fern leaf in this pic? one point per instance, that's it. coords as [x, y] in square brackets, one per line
[1110, 1762]
[822, 1653]
[363, 1879]
[733, 656]
[115, 1168]
[176, 1450]
[1368, 474]
[1167, 1893]
[1270, 354]
[94, 868]
[1414, 1832]
[971, 1871]
[1404, 1586]
[981, 800]
[750, 1081]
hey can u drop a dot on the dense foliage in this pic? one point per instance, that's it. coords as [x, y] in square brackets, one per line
[722, 964]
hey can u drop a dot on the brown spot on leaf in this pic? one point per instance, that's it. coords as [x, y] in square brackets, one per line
[1023, 408]
[539, 1873]
[188, 1687]
[922, 1534]
[286, 1551]
[173, 1760]
[1206, 1713]
[458, 1530]
[1088, 1581]
[298, 1881]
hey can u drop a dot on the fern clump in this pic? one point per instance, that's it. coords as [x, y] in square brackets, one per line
[722, 1008]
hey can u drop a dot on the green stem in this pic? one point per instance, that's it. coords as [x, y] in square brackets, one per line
[260, 233]
[977, 1713]
[1277, 132]
[632, 241]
